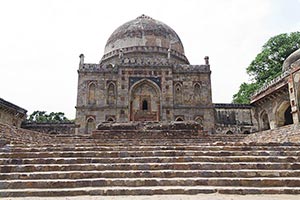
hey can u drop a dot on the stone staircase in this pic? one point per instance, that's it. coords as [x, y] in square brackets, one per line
[82, 165]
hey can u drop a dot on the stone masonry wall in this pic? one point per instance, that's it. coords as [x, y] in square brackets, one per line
[51, 128]
[234, 118]
[11, 114]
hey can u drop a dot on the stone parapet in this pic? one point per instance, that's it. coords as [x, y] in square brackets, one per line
[232, 105]
[51, 128]
[144, 49]
[11, 114]
[271, 84]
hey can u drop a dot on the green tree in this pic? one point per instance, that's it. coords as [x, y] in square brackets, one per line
[245, 91]
[267, 64]
[43, 117]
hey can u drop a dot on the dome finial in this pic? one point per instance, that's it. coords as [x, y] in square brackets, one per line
[143, 16]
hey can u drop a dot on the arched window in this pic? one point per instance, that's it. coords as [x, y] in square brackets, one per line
[90, 125]
[246, 132]
[179, 119]
[197, 89]
[110, 119]
[199, 119]
[145, 105]
[283, 114]
[288, 118]
[178, 93]
[111, 94]
[265, 125]
[91, 94]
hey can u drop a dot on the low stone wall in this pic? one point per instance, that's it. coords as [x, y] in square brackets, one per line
[13, 135]
[51, 128]
[182, 125]
[148, 130]
[234, 118]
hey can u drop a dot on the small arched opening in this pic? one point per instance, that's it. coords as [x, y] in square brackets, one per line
[110, 119]
[284, 114]
[179, 119]
[145, 105]
[111, 93]
[265, 121]
[178, 93]
[90, 125]
[288, 118]
[199, 120]
[229, 132]
[92, 94]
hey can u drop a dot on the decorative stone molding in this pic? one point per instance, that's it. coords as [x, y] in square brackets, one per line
[145, 49]
[272, 83]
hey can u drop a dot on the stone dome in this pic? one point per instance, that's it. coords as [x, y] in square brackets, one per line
[294, 58]
[144, 32]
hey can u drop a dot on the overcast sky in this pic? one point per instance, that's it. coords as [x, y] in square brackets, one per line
[40, 41]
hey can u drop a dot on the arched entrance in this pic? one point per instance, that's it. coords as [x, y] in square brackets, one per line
[288, 118]
[284, 115]
[265, 124]
[144, 101]
[90, 125]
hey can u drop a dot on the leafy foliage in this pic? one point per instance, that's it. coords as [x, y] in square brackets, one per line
[43, 117]
[245, 91]
[267, 64]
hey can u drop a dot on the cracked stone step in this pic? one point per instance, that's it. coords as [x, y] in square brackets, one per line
[104, 191]
[139, 182]
[148, 148]
[128, 144]
[149, 174]
[145, 153]
[148, 142]
[74, 160]
[148, 166]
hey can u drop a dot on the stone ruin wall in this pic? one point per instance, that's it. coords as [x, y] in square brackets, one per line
[11, 114]
[234, 118]
[51, 128]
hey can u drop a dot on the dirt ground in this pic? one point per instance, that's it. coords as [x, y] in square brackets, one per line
[170, 197]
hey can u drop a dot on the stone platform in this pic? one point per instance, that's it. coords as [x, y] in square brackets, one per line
[148, 130]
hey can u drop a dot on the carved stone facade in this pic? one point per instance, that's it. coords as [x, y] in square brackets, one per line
[143, 76]
[11, 114]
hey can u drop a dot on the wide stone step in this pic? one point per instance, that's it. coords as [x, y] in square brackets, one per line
[149, 166]
[148, 174]
[126, 142]
[168, 143]
[199, 139]
[105, 191]
[148, 148]
[140, 182]
[178, 159]
[144, 153]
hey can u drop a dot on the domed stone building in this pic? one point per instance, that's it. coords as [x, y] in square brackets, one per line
[143, 75]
